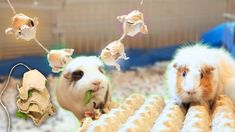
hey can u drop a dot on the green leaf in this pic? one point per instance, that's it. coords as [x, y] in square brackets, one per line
[46, 83]
[30, 93]
[21, 115]
[88, 96]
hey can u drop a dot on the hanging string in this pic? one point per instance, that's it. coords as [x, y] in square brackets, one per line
[124, 34]
[3, 90]
[12, 8]
[35, 39]
[40, 44]
[122, 37]
[141, 2]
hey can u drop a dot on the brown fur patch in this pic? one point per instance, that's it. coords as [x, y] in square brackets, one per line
[205, 83]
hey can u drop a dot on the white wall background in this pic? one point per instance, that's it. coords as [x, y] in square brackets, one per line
[89, 25]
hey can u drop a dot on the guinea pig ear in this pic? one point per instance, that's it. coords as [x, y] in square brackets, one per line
[208, 69]
[175, 65]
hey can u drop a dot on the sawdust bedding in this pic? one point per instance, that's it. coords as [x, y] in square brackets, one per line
[146, 81]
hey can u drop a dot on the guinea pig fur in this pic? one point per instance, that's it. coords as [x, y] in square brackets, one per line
[199, 73]
[79, 76]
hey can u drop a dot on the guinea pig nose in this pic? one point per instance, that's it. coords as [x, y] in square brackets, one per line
[190, 92]
[96, 83]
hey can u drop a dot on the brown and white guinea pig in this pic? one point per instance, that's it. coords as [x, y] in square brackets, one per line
[199, 73]
[79, 76]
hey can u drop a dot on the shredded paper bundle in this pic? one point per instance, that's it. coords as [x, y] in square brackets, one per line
[34, 98]
[23, 27]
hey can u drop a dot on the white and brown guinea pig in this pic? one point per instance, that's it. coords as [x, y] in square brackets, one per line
[79, 76]
[199, 73]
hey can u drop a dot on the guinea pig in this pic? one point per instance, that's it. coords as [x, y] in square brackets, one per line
[79, 76]
[199, 73]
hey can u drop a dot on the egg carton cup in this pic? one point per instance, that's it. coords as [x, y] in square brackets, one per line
[171, 119]
[144, 117]
[197, 119]
[223, 116]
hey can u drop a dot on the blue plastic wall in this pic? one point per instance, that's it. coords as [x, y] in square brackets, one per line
[138, 58]
[221, 35]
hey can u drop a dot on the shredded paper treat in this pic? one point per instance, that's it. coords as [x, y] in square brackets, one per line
[59, 58]
[23, 27]
[133, 23]
[113, 52]
[34, 98]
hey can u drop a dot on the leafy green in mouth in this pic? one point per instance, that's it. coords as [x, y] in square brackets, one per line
[88, 96]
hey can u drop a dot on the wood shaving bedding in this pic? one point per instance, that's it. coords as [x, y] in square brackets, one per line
[147, 80]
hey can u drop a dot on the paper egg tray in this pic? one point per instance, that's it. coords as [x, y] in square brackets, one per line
[137, 114]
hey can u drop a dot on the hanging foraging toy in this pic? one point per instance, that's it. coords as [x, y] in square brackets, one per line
[59, 58]
[133, 23]
[113, 52]
[34, 98]
[23, 27]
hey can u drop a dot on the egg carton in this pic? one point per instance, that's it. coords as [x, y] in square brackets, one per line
[197, 119]
[143, 119]
[116, 117]
[171, 119]
[223, 116]
[137, 114]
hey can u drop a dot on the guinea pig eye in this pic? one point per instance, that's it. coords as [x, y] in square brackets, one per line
[184, 74]
[101, 69]
[77, 75]
[201, 75]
